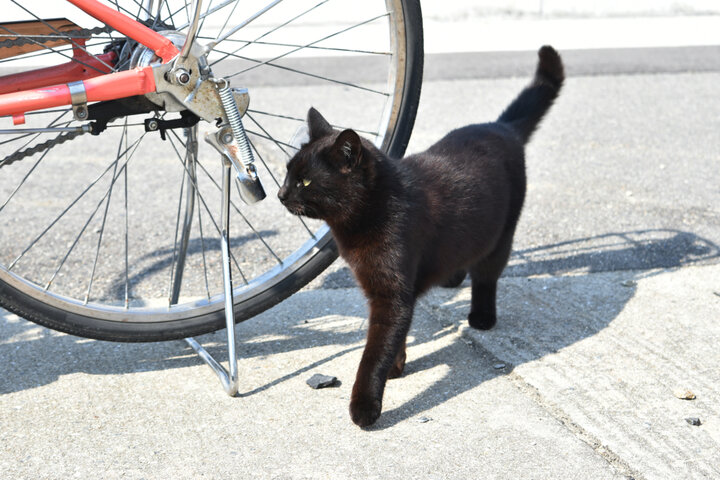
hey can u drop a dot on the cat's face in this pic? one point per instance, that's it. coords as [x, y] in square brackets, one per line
[309, 185]
[324, 179]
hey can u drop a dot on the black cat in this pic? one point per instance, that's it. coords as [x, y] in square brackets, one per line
[427, 219]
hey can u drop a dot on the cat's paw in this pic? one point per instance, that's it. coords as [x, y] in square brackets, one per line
[365, 411]
[481, 321]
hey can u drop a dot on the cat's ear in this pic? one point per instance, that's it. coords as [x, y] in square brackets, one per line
[347, 150]
[318, 127]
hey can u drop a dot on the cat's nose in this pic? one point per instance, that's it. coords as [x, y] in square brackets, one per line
[283, 193]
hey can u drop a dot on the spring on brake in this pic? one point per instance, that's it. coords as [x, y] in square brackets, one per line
[233, 115]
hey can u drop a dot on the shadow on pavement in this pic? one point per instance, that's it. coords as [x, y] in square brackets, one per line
[636, 250]
[525, 324]
[161, 260]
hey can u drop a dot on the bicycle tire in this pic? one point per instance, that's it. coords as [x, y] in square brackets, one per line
[67, 316]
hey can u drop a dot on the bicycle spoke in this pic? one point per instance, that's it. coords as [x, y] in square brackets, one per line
[279, 144]
[45, 51]
[171, 16]
[20, 137]
[190, 161]
[235, 207]
[229, 16]
[157, 17]
[302, 120]
[141, 9]
[202, 245]
[300, 72]
[198, 198]
[128, 125]
[27, 175]
[262, 240]
[273, 29]
[90, 218]
[243, 24]
[127, 241]
[22, 182]
[187, 11]
[262, 160]
[210, 11]
[55, 50]
[294, 45]
[239, 212]
[102, 227]
[339, 32]
[72, 204]
[60, 33]
[202, 20]
[177, 229]
[59, 36]
[271, 138]
[207, 209]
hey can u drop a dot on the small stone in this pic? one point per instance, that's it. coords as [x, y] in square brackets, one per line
[694, 421]
[499, 366]
[321, 381]
[717, 294]
[629, 283]
[424, 419]
[684, 394]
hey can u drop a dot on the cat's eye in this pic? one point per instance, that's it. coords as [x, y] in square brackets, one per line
[305, 182]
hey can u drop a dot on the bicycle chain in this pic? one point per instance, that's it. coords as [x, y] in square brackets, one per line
[68, 35]
[28, 152]
[63, 137]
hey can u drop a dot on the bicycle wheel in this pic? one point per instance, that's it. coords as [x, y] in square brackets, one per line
[115, 236]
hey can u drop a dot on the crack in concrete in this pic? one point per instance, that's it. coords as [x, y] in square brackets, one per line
[615, 461]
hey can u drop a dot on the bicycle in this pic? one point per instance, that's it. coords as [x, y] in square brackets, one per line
[106, 252]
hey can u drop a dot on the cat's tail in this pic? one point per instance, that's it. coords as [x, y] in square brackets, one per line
[526, 111]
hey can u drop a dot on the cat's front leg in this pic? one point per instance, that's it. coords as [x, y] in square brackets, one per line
[388, 327]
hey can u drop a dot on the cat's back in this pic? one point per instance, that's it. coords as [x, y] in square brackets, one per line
[473, 176]
[481, 142]
[474, 160]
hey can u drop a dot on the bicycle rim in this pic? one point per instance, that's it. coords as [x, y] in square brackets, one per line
[93, 240]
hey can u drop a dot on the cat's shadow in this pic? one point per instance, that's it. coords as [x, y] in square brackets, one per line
[527, 330]
[34, 358]
[530, 326]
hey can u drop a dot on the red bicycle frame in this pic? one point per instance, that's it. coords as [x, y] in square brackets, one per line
[48, 87]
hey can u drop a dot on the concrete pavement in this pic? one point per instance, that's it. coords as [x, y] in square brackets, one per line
[576, 381]
[610, 304]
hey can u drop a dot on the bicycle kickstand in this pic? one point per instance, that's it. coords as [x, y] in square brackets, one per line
[230, 141]
[230, 381]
